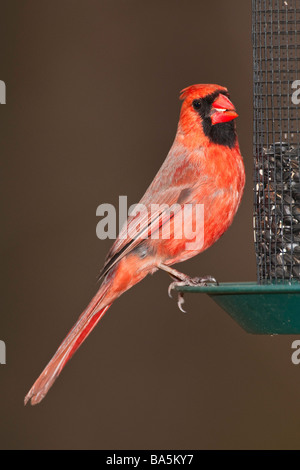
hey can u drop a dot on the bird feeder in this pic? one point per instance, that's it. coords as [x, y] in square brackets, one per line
[272, 304]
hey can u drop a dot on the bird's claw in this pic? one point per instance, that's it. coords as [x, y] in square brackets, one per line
[189, 282]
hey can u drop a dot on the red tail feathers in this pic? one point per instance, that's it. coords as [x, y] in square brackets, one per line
[85, 324]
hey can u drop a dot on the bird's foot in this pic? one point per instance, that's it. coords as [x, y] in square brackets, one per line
[189, 282]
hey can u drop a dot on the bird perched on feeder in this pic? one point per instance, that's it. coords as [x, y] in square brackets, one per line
[204, 167]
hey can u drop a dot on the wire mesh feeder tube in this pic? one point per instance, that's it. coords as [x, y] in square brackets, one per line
[276, 42]
[272, 305]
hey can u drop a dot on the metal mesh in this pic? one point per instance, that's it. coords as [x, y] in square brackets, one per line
[276, 43]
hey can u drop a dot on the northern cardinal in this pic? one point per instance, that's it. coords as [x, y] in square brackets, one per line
[204, 166]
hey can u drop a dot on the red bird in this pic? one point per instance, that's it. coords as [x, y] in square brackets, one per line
[204, 166]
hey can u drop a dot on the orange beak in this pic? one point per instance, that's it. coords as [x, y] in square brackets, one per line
[222, 110]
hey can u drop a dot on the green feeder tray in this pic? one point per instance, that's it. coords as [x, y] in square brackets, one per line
[269, 309]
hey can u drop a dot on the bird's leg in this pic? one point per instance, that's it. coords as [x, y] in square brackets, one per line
[183, 280]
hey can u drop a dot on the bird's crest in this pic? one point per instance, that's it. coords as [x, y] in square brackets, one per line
[200, 91]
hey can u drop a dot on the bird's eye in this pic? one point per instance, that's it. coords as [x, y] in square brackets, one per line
[197, 104]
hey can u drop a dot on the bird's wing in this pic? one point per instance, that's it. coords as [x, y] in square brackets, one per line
[143, 225]
[174, 183]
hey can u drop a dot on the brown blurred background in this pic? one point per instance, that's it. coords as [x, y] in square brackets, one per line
[92, 109]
